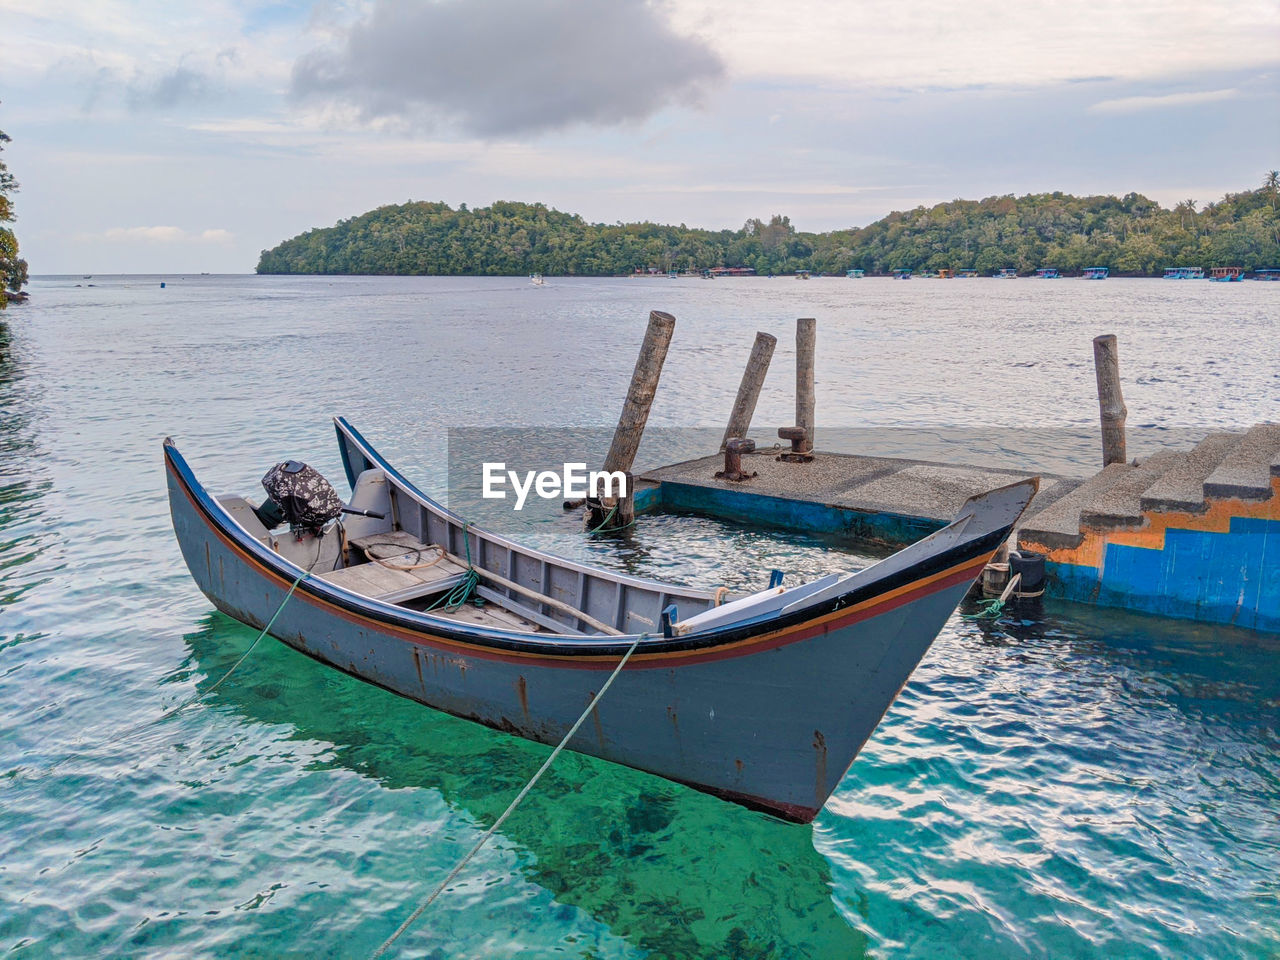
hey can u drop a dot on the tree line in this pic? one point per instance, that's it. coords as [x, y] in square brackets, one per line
[13, 269]
[1131, 235]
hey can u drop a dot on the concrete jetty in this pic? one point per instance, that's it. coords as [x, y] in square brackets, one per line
[878, 500]
[1191, 534]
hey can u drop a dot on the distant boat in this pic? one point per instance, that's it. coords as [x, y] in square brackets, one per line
[1226, 274]
[966, 274]
[1184, 273]
[902, 273]
[536, 279]
[776, 690]
[1048, 273]
[802, 274]
[1095, 273]
[1267, 273]
[1006, 273]
[855, 274]
[945, 274]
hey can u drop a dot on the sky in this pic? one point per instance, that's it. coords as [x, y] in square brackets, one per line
[167, 136]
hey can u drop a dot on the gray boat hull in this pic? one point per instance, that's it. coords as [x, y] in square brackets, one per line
[767, 715]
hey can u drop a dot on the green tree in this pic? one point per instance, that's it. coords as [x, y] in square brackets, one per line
[1130, 235]
[13, 269]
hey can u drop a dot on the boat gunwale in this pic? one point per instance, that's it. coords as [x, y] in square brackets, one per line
[381, 463]
[743, 638]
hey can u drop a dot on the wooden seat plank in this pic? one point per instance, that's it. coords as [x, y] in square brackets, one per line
[490, 615]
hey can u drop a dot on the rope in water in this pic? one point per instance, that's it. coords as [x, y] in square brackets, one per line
[421, 908]
[607, 517]
[244, 656]
[201, 694]
[605, 522]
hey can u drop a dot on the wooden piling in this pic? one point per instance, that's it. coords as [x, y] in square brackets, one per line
[1106, 362]
[744, 407]
[603, 514]
[806, 336]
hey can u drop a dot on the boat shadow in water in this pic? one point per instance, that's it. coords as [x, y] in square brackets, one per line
[675, 873]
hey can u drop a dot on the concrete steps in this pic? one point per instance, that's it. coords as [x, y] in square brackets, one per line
[1182, 486]
[1246, 472]
[1120, 503]
[1058, 525]
[1222, 465]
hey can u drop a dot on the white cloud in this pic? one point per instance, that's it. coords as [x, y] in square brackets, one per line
[162, 234]
[151, 53]
[935, 43]
[1134, 104]
[154, 234]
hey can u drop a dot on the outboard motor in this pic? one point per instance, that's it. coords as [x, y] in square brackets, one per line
[298, 494]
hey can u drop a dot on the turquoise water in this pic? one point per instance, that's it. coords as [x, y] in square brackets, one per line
[1087, 784]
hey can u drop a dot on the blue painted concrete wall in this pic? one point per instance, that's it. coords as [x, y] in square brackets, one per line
[1220, 577]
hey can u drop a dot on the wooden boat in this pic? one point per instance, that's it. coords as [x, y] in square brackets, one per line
[763, 700]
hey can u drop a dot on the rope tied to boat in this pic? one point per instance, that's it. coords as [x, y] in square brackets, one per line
[605, 522]
[524, 792]
[991, 608]
[418, 564]
[466, 588]
[201, 694]
[613, 511]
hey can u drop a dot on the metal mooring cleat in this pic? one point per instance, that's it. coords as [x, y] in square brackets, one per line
[797, 436]
[733, 451]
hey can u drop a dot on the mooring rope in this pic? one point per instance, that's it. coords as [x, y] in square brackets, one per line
[386, 561]
[201, 694]
[605, 522]
[421, 908]
[609, 516]
[994, 606]
[455, 598]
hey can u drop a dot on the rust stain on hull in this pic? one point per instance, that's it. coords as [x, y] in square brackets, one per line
[820, 747]
[522, 690]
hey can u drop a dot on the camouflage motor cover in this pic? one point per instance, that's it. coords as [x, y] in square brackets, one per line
[306, 498]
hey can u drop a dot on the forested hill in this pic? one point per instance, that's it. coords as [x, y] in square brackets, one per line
[1132, 235]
